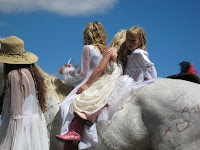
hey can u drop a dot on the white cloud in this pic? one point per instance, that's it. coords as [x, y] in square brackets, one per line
[63, 7]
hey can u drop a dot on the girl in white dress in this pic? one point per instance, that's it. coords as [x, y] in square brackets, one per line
[98, 92]
[91, 101]
[138, 70]
[23, 124]
[94, 45]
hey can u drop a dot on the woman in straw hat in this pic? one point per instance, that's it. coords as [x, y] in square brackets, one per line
[94, 38]
[23, 124]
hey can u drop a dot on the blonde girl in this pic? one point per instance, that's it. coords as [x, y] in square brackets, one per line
[90, 103]
[138, 69]
[94, 40]
[138, 72]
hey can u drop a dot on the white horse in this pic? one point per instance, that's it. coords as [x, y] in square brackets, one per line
[164, 115]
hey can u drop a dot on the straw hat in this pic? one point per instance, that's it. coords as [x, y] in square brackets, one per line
[12, 52]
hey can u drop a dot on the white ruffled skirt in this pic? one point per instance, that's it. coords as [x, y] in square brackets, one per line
[26, 132]
[122, 93]
[95, 97]
[98, 92]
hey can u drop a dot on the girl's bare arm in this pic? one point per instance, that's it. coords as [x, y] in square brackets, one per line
[97, 72]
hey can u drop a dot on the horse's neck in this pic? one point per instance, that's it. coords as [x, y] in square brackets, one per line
[55, 85]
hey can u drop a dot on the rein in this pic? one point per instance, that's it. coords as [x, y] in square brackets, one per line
[59, 72]
[107, 142]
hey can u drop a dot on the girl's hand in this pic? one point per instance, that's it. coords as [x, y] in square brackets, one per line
[82, 88]
[68, 65]
[61, 70]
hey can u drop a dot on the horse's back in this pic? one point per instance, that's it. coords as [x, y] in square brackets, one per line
[164, 115]
[171, 113]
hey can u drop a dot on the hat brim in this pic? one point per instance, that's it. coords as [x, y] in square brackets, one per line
[29, 59]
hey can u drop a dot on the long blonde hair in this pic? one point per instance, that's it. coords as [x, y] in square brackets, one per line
[118, 39]
[124, 51]
[94, 34]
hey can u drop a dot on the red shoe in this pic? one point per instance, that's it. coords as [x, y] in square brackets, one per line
[70, 136]
[74, 134]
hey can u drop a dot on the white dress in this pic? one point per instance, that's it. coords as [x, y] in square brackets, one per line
[113, 89]
[90, 59]
[23, 124]
[95, 97]
[138, 68]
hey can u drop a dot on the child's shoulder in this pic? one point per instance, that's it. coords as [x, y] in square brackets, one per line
[110, 50]
[88, 47]
[13, 72]
[140, 51]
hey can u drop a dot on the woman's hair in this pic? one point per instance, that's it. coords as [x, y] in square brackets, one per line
[37, 77]
[94, 34]
[118, 39]
[132, 32]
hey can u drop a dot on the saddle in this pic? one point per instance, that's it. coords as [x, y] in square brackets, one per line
[186, 76]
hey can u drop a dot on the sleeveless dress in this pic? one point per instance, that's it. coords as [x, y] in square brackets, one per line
[95, 97]
[78, 75]
[23, 124]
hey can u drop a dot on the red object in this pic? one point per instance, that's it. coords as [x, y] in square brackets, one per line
[83, 117]
[70, 146]
[74, 134]
[192, 70]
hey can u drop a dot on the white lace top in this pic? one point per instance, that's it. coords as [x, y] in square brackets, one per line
[23, 124]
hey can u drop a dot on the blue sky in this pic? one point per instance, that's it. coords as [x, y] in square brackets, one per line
[53, 29]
